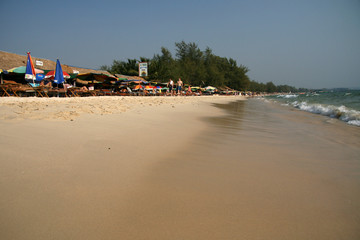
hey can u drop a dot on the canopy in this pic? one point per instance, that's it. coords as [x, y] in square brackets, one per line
[210, 88]
[149, 87]
[137, 81]
[133, 79]
[51, 74]
[22, 70]
[95, 77]
[138, 87]
[194, 89]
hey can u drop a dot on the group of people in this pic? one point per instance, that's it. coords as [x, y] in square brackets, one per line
[49, 84]
[177, 89]
[174, 89]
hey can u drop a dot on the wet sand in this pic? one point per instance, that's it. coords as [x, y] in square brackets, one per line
[244, 170]
[262, 172]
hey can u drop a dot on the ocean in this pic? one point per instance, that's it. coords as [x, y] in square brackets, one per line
[343, 105]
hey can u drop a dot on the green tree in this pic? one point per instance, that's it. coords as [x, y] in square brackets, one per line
[215, 76]
[190, 63]
[196, 67]
[257, 87]
[270, 87]
[162, 67]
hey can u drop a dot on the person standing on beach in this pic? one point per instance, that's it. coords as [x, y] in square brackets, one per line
[179, 86]
[171, 86]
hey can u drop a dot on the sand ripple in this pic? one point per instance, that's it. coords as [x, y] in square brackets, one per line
[71, 108]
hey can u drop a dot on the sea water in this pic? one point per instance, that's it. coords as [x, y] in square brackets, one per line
[343, 105]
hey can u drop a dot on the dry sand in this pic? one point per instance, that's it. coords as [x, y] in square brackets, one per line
[68, 164]
[174, 168]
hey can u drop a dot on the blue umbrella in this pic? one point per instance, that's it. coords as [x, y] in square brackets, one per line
[30, 70]
[59, 77]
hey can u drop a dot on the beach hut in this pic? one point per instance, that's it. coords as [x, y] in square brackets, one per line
[96, 77]
[101, 80]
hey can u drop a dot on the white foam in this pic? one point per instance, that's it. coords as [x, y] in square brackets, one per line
[354, 122]
[347, 115]
[288, 96]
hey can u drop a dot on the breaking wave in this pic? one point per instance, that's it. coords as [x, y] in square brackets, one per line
[288, 96]
[343, 113]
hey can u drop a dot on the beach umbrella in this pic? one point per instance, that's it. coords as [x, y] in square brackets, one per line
[138, 87]
[209, 88]
[30, 74]
[51, 75]
[59, 74]
[22, 70]
[149, 87]
[194, 89]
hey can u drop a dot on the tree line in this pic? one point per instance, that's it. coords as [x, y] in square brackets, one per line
[196, 68]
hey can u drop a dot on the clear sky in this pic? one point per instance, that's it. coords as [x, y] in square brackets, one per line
[303, 43]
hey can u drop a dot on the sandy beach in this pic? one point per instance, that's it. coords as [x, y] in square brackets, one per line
[175, 168]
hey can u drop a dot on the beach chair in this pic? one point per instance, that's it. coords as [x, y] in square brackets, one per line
[74, 92]
[106, 92]
[58, 92]
[9, 90]
[39, 91]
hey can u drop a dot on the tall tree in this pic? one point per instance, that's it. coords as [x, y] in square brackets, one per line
[190, 63]
[270, 87]
[162, 67]
[196, 67]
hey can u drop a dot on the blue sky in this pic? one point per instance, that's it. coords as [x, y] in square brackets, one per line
[304, 43]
